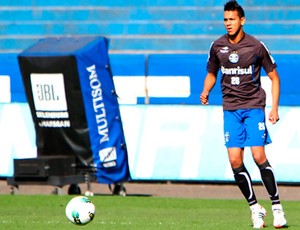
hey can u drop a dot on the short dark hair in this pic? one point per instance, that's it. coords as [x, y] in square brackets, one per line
[232, 5]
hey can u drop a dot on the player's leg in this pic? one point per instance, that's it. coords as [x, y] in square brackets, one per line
[270, 184]
[235, 137]
[241, 174]
[267, 174]
[244, 182]
[258, 137]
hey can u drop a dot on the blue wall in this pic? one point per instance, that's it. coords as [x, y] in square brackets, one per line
[159, 65]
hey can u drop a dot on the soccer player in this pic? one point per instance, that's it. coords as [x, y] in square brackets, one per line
[240, 58]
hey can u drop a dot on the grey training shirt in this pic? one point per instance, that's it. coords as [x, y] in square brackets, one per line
[240, 65]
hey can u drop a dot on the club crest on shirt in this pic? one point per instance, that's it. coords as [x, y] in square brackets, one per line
[234, 57]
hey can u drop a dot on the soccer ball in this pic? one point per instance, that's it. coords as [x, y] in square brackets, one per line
[80, 210]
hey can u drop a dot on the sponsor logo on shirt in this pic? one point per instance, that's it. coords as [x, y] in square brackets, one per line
[224, 50]
[236, 71]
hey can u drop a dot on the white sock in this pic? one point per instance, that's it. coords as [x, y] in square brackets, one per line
[277, 206]
[255, 206]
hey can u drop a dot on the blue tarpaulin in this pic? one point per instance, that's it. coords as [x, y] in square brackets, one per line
[71, 93]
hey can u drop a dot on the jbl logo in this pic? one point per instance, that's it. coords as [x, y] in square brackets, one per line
[46, 92]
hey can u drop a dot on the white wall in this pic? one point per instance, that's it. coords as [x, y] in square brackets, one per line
[168, 142]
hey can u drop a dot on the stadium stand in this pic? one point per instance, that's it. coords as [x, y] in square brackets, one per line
[146, 26]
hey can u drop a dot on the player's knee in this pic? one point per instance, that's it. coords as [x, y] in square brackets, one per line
[259, 158]
[235, 162]
[264, 165]
[259, 155]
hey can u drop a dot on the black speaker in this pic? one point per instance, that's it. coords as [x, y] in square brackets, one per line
[44, 166]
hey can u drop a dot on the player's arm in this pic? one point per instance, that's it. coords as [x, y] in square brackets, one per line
[209, 83]
[273, 115]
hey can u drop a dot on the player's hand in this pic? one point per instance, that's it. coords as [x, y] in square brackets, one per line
[273, 116]
[204, 98]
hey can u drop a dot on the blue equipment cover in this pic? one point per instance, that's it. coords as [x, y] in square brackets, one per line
[70, 90]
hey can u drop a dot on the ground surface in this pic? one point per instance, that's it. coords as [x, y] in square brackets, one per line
[187, 190]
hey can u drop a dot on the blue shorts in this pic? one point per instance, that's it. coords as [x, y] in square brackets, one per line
[245, 127]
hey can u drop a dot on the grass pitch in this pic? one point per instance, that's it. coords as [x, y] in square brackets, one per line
[136, 213]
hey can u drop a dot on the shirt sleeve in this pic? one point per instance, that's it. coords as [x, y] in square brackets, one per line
[213, 63]
[268, 61]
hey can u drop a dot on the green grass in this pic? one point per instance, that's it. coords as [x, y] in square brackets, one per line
[136, 213]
